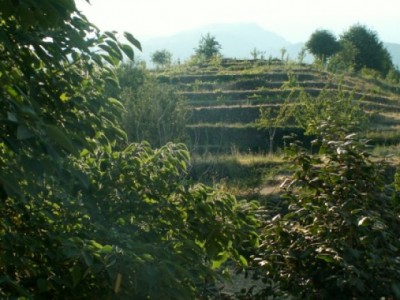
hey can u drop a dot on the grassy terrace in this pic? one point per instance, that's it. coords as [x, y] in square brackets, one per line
[225, 100]
[227, 96]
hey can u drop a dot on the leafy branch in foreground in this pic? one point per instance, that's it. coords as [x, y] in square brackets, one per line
[83, 215]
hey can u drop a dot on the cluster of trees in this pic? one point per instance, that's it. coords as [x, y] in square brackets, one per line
[357, 48]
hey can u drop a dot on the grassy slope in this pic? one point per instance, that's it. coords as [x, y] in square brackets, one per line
[225, 100]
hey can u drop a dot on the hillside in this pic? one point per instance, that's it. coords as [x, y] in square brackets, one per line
[225, 101]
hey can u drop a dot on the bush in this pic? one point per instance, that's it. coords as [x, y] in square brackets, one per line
[338, 234]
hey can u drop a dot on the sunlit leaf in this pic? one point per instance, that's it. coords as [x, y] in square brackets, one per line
[326, 257]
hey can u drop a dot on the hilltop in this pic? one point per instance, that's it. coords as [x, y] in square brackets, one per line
[237, 40]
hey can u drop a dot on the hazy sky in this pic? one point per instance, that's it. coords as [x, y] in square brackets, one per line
[294, 20]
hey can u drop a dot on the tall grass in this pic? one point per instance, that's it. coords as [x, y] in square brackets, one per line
[242, 174]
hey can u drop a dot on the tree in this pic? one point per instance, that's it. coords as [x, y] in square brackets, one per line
[83, 214]
[155, 112]
[208, 47]
[344, 60]
[323, 44]
[257, 54]
[283, 51]
[337, 235]
[273, 118]
[371, 52]
[161, 58]
[337, 106]
[301, 55]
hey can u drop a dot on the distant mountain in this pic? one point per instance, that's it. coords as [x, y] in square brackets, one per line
[394, 50]
[237, 41]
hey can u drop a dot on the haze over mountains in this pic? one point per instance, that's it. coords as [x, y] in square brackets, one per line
[237, 41]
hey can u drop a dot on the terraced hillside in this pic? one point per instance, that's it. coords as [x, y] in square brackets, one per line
[225, 101]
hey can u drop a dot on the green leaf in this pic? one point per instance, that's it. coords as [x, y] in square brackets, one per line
[243, 260]
[222, 257]
[84, 153]
[64, 98]
[132, 40]
[365, 221]
[88, 258]
[116, 102]
[326, 257]
[76, 275]
[12, 117]
[11, 91]
[128, 51]
[116, 49]
[24, 133]
[107, 249]
[61, 139]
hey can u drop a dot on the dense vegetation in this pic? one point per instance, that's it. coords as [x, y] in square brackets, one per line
[90, 210]
[84, 214]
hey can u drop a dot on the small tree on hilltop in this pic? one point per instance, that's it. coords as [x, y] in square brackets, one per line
[161, 58]
[323, 44]
[208, 47]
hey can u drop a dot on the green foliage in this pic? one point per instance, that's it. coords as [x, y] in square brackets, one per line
[337, 106]
[208, 47]
[301, 55]
[322, 44]
[161, 58]
[155, 112]
[172, 236]
[393, 76]
[52, 107]
[337, 236]
[257, 54]
[371, 52]
[272, 119]
[82, 216]
[283, 51]
[344, 60]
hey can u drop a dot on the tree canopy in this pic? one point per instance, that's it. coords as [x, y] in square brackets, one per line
[208, 47]
[161, 58]
[323, 44]
[371, 52]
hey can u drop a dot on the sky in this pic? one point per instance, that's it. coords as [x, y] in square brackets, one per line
[295, 20]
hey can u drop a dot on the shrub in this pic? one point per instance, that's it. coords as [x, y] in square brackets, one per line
[338, 234]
